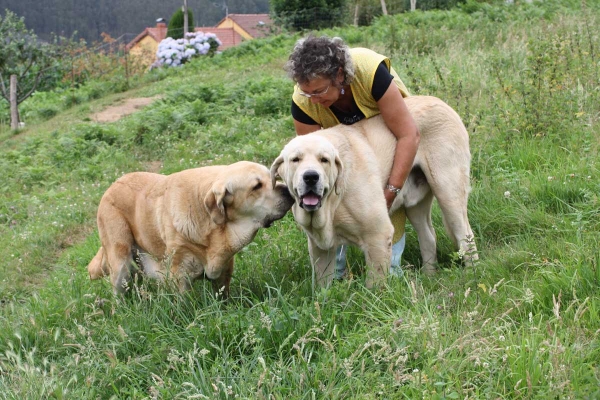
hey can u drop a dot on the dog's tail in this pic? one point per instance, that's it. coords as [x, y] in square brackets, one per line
[97, 268]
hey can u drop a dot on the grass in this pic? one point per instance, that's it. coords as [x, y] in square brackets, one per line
[523, 323]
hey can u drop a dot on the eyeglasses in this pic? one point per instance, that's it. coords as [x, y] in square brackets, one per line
[314, 94]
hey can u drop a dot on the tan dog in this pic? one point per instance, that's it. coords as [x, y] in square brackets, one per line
[188, 224]
[337, 176]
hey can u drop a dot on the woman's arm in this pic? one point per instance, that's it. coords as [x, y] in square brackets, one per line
[303, 129]
[398, 119]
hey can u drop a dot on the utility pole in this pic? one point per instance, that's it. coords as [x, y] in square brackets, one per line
[185, 18]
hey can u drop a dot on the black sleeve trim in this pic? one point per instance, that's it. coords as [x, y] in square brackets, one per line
[301, 116]
[381, 82]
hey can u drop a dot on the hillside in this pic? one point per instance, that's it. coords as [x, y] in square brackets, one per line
[523, 323]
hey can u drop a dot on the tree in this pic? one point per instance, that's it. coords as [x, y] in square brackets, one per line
[175, 28]
[23, 55]
[308, 14]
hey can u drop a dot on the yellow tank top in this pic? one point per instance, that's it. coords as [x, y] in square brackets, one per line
[365, 65]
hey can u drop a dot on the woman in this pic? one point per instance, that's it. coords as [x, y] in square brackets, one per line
[336, 84]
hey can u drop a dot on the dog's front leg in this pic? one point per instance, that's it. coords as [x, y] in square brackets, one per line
[378, 255]
[323, 263]
[221, 284]
[184, 268]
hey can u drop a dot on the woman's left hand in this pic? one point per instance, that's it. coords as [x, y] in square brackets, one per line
[389, 197]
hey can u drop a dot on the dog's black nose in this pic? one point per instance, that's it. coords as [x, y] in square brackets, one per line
[310, 177]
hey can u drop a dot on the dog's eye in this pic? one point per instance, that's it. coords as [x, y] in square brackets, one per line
[257, 186]
[324, 160]
[296, 159]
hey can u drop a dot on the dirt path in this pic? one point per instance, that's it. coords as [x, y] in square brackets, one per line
[115, 113]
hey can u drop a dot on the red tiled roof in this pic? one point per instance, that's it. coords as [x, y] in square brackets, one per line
[228, 36]
[251, 23]
[158, 33]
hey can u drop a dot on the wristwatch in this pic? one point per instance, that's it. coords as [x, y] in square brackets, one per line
[393, 188]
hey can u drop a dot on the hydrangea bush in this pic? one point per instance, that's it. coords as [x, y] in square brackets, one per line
[175, 52]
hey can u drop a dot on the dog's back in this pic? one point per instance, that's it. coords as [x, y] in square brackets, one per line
[441, 168]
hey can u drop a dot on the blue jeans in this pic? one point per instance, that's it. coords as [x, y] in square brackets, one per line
[395, 269]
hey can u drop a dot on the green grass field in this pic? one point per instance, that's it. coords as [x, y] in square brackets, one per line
[523, 323]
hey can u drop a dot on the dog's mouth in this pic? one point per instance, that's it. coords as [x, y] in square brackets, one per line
[310, 201]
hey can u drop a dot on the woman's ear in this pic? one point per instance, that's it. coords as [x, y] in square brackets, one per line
[340, 76]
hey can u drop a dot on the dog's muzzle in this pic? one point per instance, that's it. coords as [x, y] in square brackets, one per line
[286, 201]
[310, 200]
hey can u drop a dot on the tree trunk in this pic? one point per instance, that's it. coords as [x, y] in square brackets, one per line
[14, 110]
[383, 7]
[413, 5]
[356, 14]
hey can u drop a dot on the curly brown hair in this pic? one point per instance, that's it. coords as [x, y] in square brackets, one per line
[320, 57]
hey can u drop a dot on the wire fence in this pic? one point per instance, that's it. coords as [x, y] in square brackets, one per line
[79, 63]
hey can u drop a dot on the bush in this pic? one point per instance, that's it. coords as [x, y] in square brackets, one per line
[175, 29]
[176, 52]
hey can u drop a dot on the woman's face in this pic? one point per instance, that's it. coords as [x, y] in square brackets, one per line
[321, 91]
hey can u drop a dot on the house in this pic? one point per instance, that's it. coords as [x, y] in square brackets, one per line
[231, 31]
[235, 28]
[228, 36]
[248, 26]
[146, 43]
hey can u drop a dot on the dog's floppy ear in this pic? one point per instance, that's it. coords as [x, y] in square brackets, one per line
[216, 200]
[339, 179]
[275, 169]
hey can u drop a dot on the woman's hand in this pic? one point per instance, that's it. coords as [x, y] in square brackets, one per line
[389, 197]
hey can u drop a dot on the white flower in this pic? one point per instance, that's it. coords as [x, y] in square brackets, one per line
[507, 194]
[177, 52]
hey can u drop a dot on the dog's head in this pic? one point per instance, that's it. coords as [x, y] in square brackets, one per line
[244, 198]
[311, 167]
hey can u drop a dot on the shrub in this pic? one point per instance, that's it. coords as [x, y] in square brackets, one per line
[175, 29]
[175, 52]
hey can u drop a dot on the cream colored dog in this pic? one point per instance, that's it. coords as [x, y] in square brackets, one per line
[188, 224]
[337, 176]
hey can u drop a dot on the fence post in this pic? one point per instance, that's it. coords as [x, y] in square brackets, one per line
[127, 68]
[14, 111]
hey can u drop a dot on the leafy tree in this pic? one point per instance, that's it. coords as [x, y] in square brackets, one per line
[175, 28]
[23, 55]
[308, 14]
